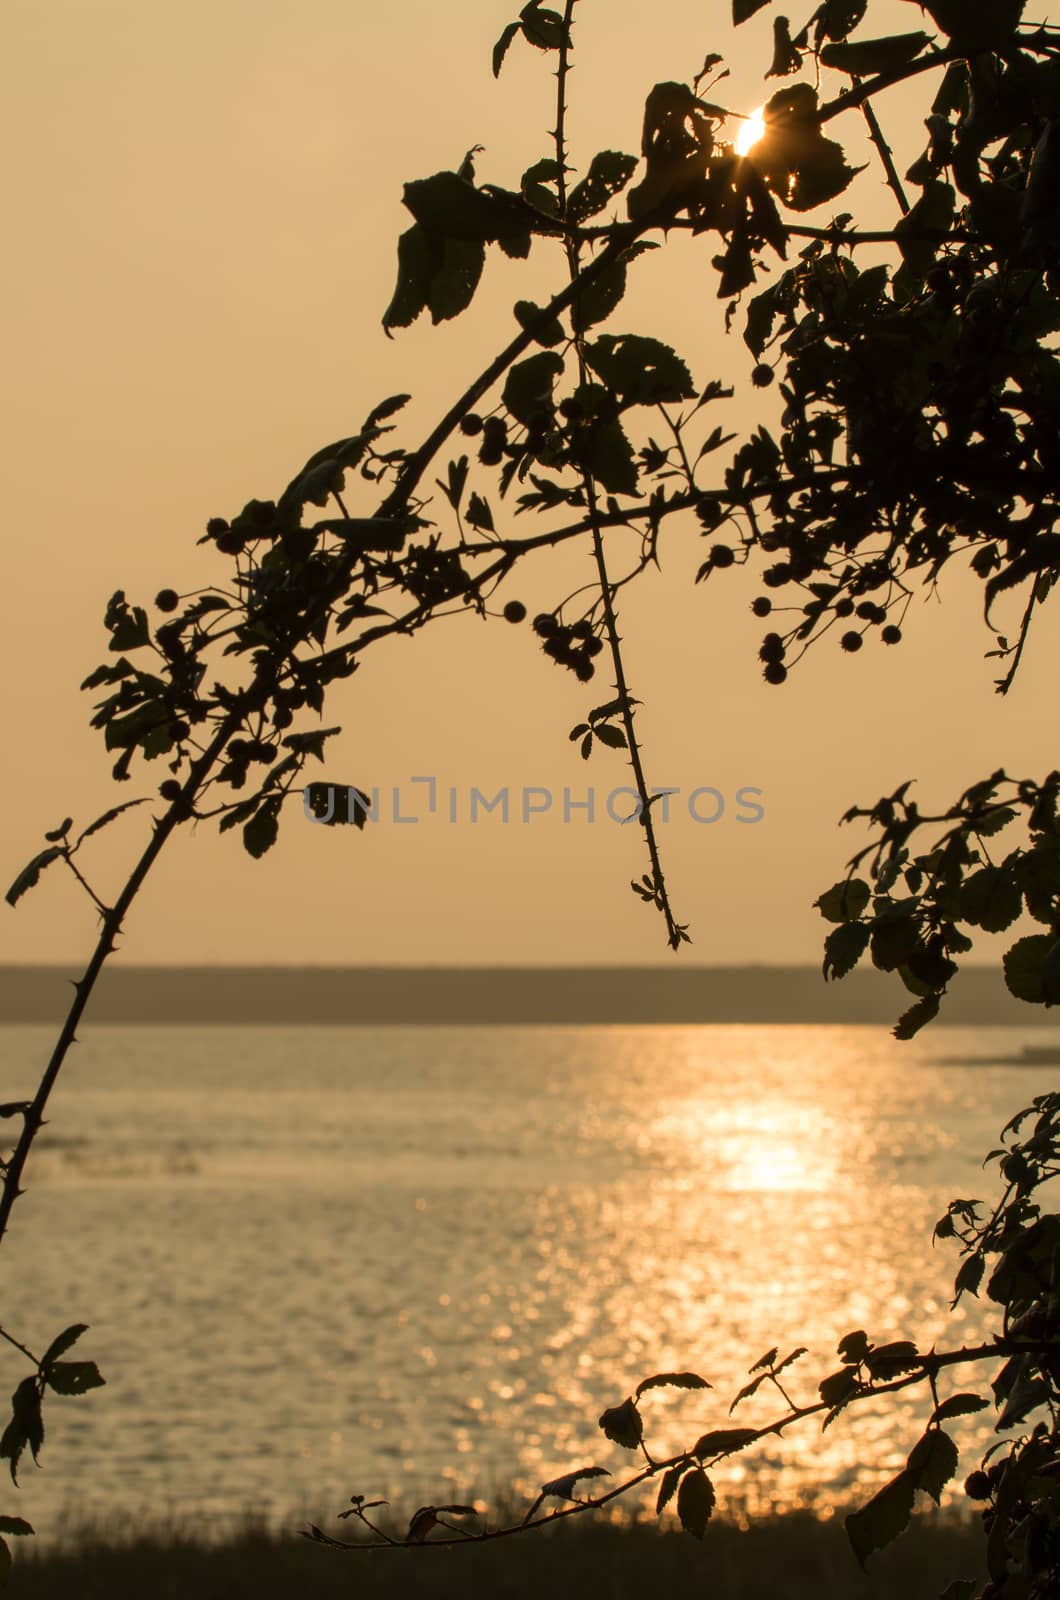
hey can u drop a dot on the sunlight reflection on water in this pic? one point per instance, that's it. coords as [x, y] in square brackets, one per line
[333, 1260]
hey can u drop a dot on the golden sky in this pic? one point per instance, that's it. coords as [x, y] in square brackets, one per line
[203, 203]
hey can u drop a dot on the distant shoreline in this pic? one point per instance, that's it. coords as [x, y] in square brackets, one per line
[550, 996]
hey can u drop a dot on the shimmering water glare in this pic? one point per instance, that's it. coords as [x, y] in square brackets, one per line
[413, 1262]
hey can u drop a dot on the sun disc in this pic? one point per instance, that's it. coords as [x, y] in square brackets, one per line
[751, 130]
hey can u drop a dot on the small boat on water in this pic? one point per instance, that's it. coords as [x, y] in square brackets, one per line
[1032, 1055]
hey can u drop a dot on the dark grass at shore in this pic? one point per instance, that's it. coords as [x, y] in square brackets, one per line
[789, 1557]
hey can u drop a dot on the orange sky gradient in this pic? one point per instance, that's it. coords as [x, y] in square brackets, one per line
[203, 204]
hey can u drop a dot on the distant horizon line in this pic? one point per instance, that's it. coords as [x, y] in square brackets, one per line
[661, 965]
[525, 994]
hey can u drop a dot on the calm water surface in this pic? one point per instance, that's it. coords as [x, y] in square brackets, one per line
[414, 1261]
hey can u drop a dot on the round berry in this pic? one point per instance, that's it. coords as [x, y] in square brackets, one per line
[170, 789]
[572, 409]
[775, 672]
[762, 606]
[584, 669]
[180, 730]
[216, 526]
[545, 625]
[710, 511]
[762, 376]
[977, 1486]
[773, 577]
[891, 634]
[515, 611]
[167, 599]
[494, 439]
[282, 717]
[851, 641]
[471, 424]
[593, 646]
[722, 556]
[772, 648]
[230, 543]
[844, 608]
[581, 630]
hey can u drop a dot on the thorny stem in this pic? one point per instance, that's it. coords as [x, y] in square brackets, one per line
[674, 933]
[18, 1346]
[885, 155]
[927, 1369]
[1005, 684]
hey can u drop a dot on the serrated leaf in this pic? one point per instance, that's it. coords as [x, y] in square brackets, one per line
[562, 1488]
[844, 948]
[765, 1361]
[801, 166]
[610, 709]
[529, 385]
[933, 211]
[887, 1360]
[933, 1462]
[500, 49]
[671, 1380]
[610, 458]
[25, 1428]
[541, 26]
[743, 9]
[73, 1377]
[836, 1389]
[108, 817]
[883, 1518]
[453, 283]
[1023, 963]
[670, 1479]
[16, 1526]
[457, 478]
[386, 408]
[969, 1276]
[695, 1501]
[613, 737]
[917, 1017]
[854, 1347]
[479, 514]
[62, 1343]
[748, 1390]
[416, 259]
[991, 899]
[723, 1442]
[845, 901]
[959, 1405]
[864, 56]
[639, 370]
[623, 1424]
[608, 174]
[30, 874]
[260, 833]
